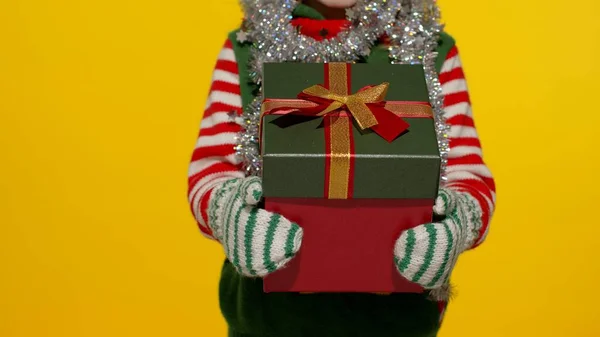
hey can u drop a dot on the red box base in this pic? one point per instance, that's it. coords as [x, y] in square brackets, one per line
[348, 245]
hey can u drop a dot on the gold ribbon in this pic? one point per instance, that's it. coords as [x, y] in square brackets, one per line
[355, 103]
[340, 152]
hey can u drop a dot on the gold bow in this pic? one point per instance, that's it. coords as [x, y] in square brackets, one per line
[355, 103]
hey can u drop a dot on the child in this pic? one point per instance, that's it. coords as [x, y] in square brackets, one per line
[224, 191]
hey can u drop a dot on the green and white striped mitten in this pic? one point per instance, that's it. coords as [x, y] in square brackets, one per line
[255, 241]
[427, 253]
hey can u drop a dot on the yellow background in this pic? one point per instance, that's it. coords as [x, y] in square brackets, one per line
[100, 101]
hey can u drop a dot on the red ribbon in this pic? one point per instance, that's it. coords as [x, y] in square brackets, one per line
[389, 125]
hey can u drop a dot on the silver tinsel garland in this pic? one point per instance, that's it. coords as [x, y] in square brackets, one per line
[412, 26]
[414, 40]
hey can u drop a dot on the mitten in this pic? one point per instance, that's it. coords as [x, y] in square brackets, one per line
[427, 253]
[255, 241]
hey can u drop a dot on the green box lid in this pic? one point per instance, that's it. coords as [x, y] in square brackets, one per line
[294, 154]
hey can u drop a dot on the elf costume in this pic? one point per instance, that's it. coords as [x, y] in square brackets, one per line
[225, 194]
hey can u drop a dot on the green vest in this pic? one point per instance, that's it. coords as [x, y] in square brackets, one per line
[251, 313]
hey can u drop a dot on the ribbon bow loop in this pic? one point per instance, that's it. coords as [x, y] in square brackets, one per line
[356, 103]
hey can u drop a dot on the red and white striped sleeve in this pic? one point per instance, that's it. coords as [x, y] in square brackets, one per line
[214, 160]
[466, 171]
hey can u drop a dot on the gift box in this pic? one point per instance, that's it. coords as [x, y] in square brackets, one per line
[349, 153]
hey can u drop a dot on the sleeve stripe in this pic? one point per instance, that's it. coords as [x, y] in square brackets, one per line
[460, 151]
[201, 179]
[228, 66]
[220, 139]
[226, 98]
[204, 183]
[481, 184]
[227, 77]
[218, 150]
[450, 64]
[227, 55]
[214, 168]
[203, 216]
[462, 176]
[485, 186]
[452, 52]
[453, 74]
[462, 108]
[220, 86]
[466, 141]
[462, 131]
[456, 98]
[201, 188]
[215, 119]
[461, 120]
[480, 187]
[455, 86]
[206, 232]
[220, 107]
[219, 128]
[198, 165]
[228, 44]
[479, 169]
[469, 159]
